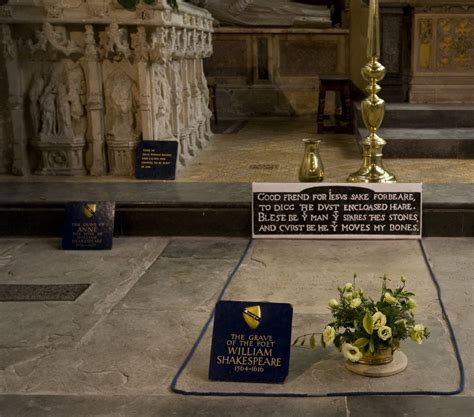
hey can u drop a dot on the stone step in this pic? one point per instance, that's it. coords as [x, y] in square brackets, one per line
[455, 143]
[190, 209]
[424, 116]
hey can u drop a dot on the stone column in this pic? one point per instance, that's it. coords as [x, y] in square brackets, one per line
[141, 61]
[95, 105]
[15, 100]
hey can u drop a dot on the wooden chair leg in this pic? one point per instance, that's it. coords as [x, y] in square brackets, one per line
[348, 103]
[322, 103]
[214, 105]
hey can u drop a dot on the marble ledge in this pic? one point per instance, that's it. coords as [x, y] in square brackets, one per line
[435, 196]
[158, 15]
[282, 30]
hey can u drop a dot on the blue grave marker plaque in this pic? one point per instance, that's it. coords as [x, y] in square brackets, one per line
[88, 225]
[251, 342]
[156, 160]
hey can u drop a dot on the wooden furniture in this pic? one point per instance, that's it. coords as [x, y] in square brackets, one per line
[342, 86]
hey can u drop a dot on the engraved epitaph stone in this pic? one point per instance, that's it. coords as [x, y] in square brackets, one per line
[88, 226]
[337, 211]
[251, 342]
[156, 160]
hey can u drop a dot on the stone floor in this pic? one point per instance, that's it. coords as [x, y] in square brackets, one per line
[114, 351]
[270, 150]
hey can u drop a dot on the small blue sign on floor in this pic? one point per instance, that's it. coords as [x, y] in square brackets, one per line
[156, 160]
[88, 225]
[251, 342]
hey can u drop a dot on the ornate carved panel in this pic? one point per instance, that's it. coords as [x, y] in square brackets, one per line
[88, 77]
[455, 49]
[443, 68]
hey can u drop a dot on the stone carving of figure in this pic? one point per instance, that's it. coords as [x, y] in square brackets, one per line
[64, 112]
[48, 111]
[121, 99]
[76, 87]
[36, 89]
[56, 102]
[266, 13]
[162, 98]
[178, 90]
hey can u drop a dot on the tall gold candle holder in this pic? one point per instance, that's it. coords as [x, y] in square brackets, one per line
[373, 109]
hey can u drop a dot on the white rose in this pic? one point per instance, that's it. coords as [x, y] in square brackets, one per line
[329, 334]
[417, 333]
[333, 303]
[385, 332]
[348, 286]
[351, 352]
[355, 302]
[390, 299]
[379, 320]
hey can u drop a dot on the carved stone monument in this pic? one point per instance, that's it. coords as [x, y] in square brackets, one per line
[266, 13]
[89, 79]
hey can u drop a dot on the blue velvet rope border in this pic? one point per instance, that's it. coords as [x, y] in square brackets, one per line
[452, 336]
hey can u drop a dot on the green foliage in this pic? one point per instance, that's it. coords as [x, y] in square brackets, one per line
[368, 322]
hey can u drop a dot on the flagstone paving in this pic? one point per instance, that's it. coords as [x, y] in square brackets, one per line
[114, 351]
[271, 150]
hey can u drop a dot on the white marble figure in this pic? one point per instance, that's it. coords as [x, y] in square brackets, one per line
[266, 13]
[162, 102]
[37, 87]
[48, 112]
[76, 86]
[121, 100]
[55, 102]
[64, 112]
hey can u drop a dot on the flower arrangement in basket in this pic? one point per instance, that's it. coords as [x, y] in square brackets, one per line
[368, 331]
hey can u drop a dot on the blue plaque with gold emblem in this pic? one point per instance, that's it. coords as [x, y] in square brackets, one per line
[251, 342]
[88, 225]
[156, 160]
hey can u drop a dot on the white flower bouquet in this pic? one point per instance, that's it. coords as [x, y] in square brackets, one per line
[364, 329]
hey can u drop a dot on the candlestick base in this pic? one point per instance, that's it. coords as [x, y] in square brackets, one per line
[372, 169]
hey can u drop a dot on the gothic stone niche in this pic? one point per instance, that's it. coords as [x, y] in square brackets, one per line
[121, 104]
[94, 79]
[58, 118]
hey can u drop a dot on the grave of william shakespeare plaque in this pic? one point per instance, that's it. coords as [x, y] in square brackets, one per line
[156, 160]
[88, 226]
[251, 342]
[337, 211]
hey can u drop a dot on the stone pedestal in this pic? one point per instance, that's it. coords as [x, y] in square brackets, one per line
[88, 80]
[60, 158]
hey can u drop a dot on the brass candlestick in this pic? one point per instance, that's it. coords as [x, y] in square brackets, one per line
[373, 109]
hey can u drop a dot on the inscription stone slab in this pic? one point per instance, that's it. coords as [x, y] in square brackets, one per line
[384, 211]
